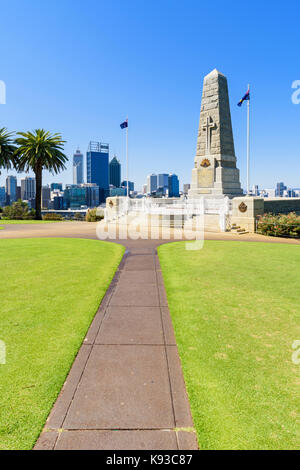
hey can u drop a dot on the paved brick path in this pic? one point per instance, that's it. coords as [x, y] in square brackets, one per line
[126, 389]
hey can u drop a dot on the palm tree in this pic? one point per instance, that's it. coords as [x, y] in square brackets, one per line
[37, 151]
[7, 150]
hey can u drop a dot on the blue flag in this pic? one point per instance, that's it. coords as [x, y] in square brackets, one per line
[246, 97]
[124, 124]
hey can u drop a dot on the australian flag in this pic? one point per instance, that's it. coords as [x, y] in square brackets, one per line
[124, 124]
[246, 97]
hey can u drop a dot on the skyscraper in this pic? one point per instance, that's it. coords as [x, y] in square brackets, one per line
[27, 188]
[162, 182]
[115, 172]
[151, 183]
[280, 187]
[130, 186]
[173, 185]
[97, 167]
[2, 196]
[77, 167]
[46, 197]
[11, 188]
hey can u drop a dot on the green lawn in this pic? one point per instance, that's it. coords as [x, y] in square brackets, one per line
[235, 307]
[50, 291]
[13, 222]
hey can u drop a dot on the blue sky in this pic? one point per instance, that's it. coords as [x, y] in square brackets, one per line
[79, 67]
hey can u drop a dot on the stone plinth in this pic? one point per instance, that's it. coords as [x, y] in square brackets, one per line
[245, 211]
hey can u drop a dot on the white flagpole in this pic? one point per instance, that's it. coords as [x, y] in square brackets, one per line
[127, 159]
[248, 144]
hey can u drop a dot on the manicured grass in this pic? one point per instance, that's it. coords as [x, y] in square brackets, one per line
[235, 309]
[50, 291]
[13, 222]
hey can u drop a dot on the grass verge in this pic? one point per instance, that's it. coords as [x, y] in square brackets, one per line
[235, 309]
[50, 292]
[14, 222]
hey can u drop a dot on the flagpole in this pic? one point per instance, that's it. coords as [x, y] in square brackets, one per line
[127, 159]
[248, 145]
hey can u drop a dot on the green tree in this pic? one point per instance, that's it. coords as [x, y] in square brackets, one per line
[7, 150]
[37, 151]
[19, 210]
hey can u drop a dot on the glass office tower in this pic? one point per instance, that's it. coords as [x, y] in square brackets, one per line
[115, 172]
[77, 167]
[97, 167]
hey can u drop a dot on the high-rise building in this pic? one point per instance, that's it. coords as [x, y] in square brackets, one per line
[11, 188]
[162, 182]
[74, 196]
[115, 172]
[27, 188]
[173, 185]
[2, 196]
[19, 196]
[97, 167]
[130, 186]
[92, 194]
[280, 187]
[46, 197]
[56, 186]
[151, 183]
[77, 167]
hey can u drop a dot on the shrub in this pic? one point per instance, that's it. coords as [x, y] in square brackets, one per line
[78, 216]
[52, 216]
[18, 211]
[91, 216]
[279, 225]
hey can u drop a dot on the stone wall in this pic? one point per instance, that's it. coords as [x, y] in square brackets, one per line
[282, 205]
[245, 210]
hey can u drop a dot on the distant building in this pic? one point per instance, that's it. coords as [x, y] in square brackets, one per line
[78, 167]
[27, 188]
[19, 193]
[173, 185]
[144, 191]
[255, 190]
[130, 186]
[115, 172]
[56, 186]
[11, 188]
[46, 197]
[186, 188]
[117, 192]
[97, 167]
[289, 192]
[74, 196]
[2, 196]
[57, 203]
[151, 183]
[280, 187]
[92, 194]
[163, 182]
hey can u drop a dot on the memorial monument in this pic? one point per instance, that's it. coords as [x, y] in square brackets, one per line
[215, 172]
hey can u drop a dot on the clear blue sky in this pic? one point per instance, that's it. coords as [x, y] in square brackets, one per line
[79, 67]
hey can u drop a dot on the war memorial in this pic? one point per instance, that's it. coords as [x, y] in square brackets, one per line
[215, 202]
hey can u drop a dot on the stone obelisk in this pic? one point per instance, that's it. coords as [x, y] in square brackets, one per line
[215, 172]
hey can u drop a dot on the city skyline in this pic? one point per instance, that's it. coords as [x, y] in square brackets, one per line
[160, 97]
